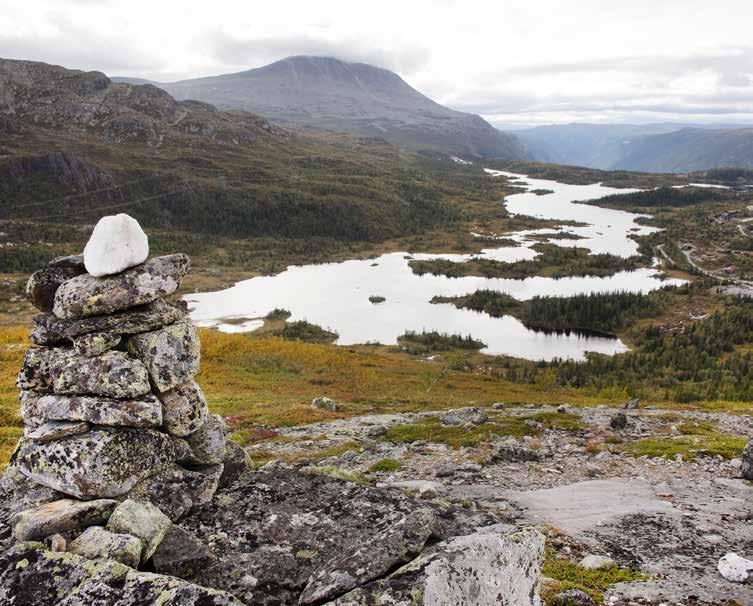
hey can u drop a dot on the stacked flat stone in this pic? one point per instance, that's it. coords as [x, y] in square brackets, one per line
[118, 439]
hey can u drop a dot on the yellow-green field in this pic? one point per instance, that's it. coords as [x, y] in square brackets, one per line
[262, 380]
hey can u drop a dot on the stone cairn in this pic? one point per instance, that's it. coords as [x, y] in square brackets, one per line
[118, 442]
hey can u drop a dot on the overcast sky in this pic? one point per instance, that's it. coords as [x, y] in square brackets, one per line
[515, 62]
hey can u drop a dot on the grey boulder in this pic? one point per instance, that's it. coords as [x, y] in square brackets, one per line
[462, 416]
[96, 543]
[184, 409]
[102, 463]
[489, 568]
[172, 354]
[510, 451]
[143, 520]
[60, 516]
[31, 575]
[86, 295]
[208, 443]
[61, 371]
[144, 412]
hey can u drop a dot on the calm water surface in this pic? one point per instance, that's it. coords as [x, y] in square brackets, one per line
[336, 295]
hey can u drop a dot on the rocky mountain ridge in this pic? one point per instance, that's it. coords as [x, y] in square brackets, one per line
[329, 94]
[39, 95]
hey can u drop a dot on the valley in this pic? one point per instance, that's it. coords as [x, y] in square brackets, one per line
[388, 324]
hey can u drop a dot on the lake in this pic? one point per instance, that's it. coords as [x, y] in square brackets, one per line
[336, 295]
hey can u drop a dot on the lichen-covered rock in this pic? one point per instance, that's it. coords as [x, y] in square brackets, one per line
[96, 343]
[87, 295]
[32, 576]
[176, 490]
[29, 408]
[172, 354]
[236, 461]
[48, 329]
[272, 530]
[143, 520]
[746, 469]
[398, 544]
[96, 542]
[181, 554]
[117, 243]
[492, 567]
[145, 412]
[100, 463]
[208, 443]
[60, 516]
[43, 284]
[184, 409]
[61, 371]
[510, 451]
[56, 430]
[472, 415]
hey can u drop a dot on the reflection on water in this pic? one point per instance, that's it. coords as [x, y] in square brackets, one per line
[336, 295]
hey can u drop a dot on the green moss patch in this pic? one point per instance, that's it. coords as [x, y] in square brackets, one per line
[689, 446]
[386, 465]
[432, 430]
[593, 582]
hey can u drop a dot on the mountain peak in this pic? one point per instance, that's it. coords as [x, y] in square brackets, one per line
[328, 93]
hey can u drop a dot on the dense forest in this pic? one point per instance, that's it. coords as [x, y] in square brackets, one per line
[664, 196]
[596, 312]
[552, 261]
[706, 360]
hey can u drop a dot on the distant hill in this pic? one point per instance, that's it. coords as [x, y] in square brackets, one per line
[690, 149]
[599, 146]
[329, 94]
[645, 147]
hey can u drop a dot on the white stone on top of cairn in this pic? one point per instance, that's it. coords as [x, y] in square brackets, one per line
[117, 243]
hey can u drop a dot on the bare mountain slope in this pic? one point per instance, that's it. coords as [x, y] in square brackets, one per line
[326, 93]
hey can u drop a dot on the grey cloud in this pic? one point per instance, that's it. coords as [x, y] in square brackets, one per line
[733, 66]
[77, 48]
[228, 50]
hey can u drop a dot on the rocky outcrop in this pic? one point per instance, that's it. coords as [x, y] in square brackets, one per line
[485, 569]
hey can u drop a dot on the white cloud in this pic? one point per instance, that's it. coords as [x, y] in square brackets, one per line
[515, 62]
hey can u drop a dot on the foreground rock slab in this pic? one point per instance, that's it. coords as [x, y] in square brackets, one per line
[88, 295]
[101, 463]
[277, 531]
[487, 568]
[31, 575]
[585, 505]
